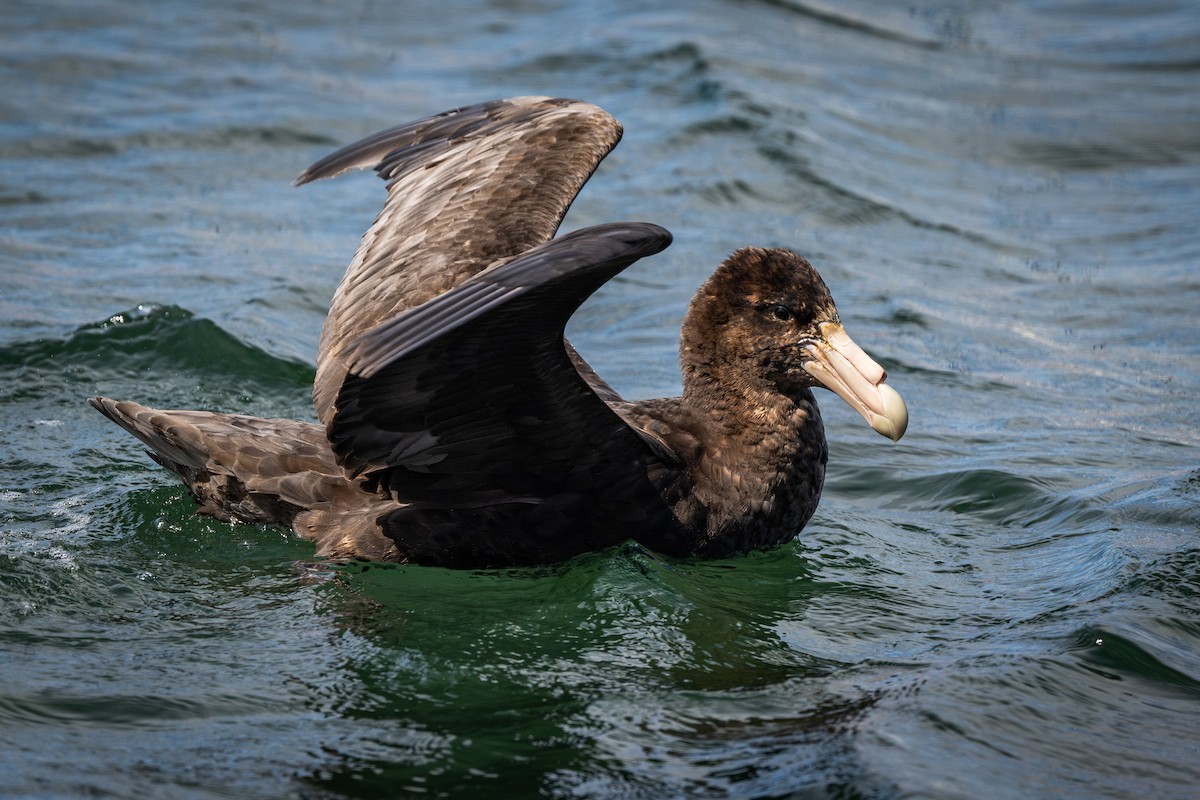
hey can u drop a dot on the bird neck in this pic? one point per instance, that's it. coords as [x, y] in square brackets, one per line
[762, 468]
[761, 421]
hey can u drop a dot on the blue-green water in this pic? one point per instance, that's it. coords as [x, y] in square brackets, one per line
[1003, 198]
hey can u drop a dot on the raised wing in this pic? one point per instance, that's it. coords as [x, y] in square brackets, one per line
[470, 409]
[466, 189]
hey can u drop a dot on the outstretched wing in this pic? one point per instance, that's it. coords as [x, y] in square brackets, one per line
[466, 189]
[470, 404]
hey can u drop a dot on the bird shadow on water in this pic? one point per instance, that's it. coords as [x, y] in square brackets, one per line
[618, 673]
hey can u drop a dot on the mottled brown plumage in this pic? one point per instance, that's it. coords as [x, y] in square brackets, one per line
[466, 189]
[459, 427]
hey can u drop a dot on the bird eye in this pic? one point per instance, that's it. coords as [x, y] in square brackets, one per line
[781, 313]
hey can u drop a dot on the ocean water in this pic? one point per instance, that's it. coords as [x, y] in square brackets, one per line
[1003, 198]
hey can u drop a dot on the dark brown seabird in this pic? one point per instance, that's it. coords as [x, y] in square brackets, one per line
[458, 427]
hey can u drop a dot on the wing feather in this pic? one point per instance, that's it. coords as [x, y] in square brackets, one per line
[467, 189]
[472, 397]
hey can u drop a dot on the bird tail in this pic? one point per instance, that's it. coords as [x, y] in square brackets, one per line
[238, 468]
